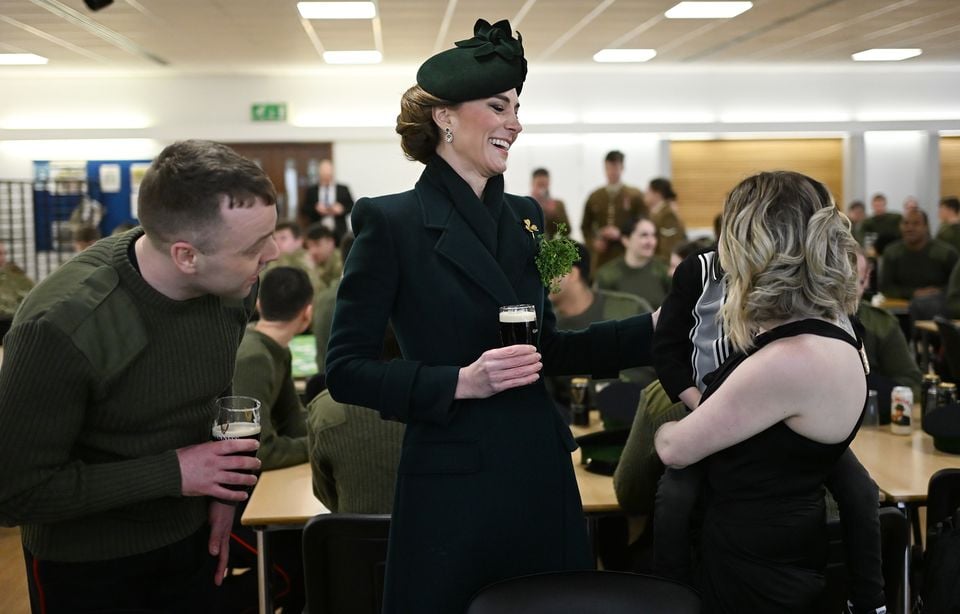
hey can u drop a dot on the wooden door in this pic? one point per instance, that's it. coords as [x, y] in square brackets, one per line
[273, 158]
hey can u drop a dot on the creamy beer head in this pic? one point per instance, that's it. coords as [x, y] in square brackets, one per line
[518, 325]
[236, 430]
[517, 317]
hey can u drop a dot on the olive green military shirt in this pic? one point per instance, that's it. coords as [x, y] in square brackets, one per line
[14, 286]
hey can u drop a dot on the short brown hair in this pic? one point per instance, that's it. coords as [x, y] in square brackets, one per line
[181, 192]
[419, 135]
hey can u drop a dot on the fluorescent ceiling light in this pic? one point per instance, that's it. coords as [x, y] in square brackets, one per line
[624, 55]
[885, 55]
[648, 117]
[337, 10]
[786, 117]
[353, 57]
[708, 10]
[21, 59]
[75, 121]
[348, 119]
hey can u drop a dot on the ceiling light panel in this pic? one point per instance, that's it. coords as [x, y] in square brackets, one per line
[337, 10]
[366, 56]
[21, 59]
[886, 55]
[708, 10]
[624, 55]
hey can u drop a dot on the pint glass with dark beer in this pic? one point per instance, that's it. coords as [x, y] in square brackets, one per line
[518, 325]
[237, 418]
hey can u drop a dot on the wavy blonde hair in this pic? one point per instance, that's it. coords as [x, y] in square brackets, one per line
[787, 252]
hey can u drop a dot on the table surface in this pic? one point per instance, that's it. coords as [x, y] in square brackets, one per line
[901, 465]
[894, 305]
[285, 496]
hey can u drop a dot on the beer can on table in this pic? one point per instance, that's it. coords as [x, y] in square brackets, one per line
[901, 406]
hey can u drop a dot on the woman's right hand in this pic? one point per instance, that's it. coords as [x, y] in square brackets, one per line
[498, 370]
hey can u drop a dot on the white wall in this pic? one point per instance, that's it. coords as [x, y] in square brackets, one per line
[572, 116]
[897, 166]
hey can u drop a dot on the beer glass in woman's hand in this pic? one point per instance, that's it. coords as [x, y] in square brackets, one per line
[518, 325]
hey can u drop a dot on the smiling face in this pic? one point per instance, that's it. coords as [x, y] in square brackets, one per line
[642, 242]
[483, 132]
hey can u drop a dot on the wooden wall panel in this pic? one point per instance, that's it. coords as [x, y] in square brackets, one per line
[949, 166]
[704, 172]
[273, 157]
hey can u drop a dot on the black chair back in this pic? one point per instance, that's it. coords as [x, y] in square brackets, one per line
[617, 403]
[950, 337]
[577, 592]
[344, 560]
[894, 539]
[943, 498]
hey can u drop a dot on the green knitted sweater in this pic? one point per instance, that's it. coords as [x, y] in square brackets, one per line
[354, 454]
[103, 379]
[264, 373]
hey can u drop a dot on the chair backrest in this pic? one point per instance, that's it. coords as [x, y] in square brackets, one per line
[894, 539]
[943, 497]
[617, 403]
[576, 592]
[950, 337]
[344, 559]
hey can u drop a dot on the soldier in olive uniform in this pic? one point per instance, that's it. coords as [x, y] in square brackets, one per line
[14, 286]
[607, 209]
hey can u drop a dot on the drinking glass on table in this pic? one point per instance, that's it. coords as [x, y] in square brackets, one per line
[578, 401]
[871, 414]
[238, 417]
[518, 325]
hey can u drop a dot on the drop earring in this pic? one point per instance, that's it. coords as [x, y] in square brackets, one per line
[448, 134]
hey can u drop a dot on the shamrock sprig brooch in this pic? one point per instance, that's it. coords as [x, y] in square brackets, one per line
[555, 256]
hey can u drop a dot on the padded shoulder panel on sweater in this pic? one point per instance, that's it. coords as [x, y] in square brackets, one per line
[102, 322]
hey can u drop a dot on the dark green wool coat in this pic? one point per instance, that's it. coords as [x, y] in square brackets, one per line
[486, 488]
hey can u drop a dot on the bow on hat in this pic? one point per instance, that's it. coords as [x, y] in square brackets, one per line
[496, 38]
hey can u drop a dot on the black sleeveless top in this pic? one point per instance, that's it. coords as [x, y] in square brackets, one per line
[764, 541]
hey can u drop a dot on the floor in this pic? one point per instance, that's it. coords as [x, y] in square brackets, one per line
[13, 578]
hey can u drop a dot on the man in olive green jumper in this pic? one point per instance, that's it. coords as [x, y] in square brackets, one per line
[264, 373]
[887, 351]
[108, 389]
[354, 454]
[14, 287]
[263, 366]
[883, 225]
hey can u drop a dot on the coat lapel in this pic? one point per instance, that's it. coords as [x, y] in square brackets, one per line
[517, 247]
[460, 245]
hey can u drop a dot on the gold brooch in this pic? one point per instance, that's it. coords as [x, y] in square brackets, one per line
[531, 228]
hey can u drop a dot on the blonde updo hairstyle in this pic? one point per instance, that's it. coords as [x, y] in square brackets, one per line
[787, 252]
[419, 134]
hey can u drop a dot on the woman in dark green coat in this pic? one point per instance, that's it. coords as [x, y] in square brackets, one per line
[486, 488]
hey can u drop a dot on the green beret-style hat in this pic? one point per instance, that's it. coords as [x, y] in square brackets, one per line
[489, 63]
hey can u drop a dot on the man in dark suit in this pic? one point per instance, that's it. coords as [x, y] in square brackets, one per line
[327, 202]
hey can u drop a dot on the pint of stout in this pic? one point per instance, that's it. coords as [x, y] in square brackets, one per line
[237, 418]
[518, 325]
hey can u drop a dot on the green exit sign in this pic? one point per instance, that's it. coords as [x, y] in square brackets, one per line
[269, 112]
